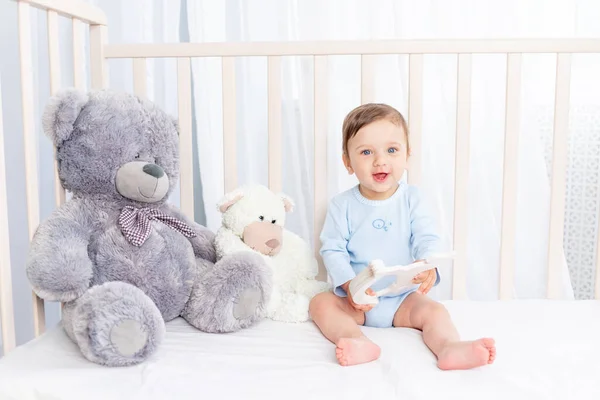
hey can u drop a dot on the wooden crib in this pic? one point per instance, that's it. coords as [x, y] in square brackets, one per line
[294, 360]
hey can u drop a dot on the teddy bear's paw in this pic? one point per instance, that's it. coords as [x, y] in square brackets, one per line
[247, 303]
[232, 295]
[114, 324]
[128, 336]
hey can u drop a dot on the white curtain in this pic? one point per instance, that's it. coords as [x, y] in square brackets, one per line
[276, 20]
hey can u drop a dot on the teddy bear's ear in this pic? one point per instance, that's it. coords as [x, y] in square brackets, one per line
[229, 200]
[61, 112]
[287, 202]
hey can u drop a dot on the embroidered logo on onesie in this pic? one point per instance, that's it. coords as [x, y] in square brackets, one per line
[381, 224]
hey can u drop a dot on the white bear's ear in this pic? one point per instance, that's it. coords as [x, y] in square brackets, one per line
[61, 113]
[287, 202]
[229, 199]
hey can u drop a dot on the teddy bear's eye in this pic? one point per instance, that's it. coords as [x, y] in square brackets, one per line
[261, 218]
[273, 221]
[137, 156]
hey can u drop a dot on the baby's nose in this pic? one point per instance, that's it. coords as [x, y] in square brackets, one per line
[380, 161]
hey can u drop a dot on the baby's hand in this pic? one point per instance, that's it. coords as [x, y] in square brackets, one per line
[426, 279]
[359, 307]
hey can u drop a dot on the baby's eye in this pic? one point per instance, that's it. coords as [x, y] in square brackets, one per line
[365, 152]
[392, 150]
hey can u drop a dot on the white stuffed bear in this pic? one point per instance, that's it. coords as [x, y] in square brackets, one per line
[253, 220]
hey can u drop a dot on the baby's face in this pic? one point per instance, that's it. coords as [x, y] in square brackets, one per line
[377, 155]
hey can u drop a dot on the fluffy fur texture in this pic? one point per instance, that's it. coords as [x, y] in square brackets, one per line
[91, 321]
[243, 276]
[61, 113]
[294, 267]
[118, 295]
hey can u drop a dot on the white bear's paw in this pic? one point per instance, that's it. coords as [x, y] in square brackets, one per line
[291, 308]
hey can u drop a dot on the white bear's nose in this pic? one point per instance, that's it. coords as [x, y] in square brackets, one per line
[273, 243]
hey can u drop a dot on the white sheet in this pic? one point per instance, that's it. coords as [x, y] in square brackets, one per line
[546, 350]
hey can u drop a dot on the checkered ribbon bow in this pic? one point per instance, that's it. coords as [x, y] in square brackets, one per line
[135, 223]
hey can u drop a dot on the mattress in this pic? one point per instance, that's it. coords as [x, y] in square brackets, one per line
[546, 350]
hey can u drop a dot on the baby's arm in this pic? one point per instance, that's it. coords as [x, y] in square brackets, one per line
[425, 238]
[334, 239]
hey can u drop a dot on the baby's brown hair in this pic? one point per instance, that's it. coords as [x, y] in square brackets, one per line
[368, 113]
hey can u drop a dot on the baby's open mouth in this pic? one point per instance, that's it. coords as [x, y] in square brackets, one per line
[380, 177]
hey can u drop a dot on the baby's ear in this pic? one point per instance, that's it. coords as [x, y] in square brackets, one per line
[229, 199]
[60, 114]
[287, 202]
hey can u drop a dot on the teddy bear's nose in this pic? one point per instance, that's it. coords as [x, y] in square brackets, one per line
[153, 170]
[273, 243]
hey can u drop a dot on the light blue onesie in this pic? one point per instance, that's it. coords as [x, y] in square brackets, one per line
[398, 230]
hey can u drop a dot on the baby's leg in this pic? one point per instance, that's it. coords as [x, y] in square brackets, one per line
[439, 334]
[338, 322]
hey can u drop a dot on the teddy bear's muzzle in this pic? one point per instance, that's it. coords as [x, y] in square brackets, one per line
[142, 181]
[264, 237]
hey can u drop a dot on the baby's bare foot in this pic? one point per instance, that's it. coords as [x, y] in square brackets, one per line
[467, 355]
[352, 351]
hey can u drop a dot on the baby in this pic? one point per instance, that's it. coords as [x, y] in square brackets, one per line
[381, 218]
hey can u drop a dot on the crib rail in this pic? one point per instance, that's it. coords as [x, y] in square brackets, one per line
[78, 10]
[355, 47]
[83, 14]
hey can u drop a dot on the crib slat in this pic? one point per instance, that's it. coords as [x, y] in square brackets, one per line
[7, 317]
[415, 112]
[97, 60]
[184, 101]
[229, 123]
[275, 150]
[320, 102]
[461, 183]
[77, 54]
[509, 192]
[559, 172]
[54, 62]
[597, 285]
[29, 144]
[139, 76]
[53, 52]
[367, 79]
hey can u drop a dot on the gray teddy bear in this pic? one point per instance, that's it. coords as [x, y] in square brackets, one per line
[120, 257]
